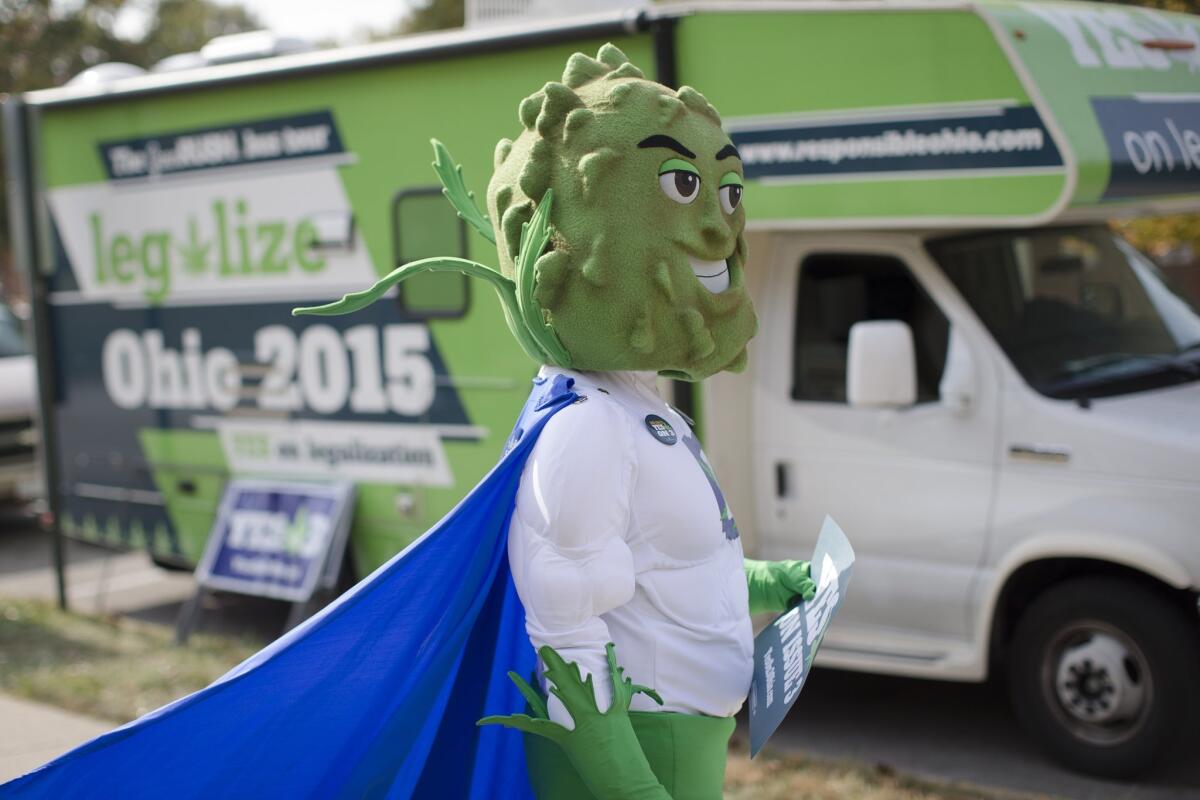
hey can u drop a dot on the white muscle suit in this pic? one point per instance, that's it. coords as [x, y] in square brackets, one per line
[620, 534]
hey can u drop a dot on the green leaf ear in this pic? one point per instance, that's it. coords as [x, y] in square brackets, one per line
[505, 290]
[456, 192]
[358, 300]
[524, 316]
[535, 235]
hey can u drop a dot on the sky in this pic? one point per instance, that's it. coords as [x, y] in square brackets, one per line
[340, 20]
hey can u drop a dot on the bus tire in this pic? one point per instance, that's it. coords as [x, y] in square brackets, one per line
[1102, 675]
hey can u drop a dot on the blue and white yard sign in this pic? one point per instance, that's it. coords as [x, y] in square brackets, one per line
[277, 538]
[783, 652]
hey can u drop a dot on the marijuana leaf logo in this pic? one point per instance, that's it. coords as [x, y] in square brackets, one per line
[195, 253]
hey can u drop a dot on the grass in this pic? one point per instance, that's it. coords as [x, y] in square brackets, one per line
[792, 777]
[113, 668]
[117, 668]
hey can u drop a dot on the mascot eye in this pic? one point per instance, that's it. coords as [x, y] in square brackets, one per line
[679, 181]
[680, 186]
[731, 192]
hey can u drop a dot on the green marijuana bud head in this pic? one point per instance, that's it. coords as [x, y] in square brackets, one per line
[644, 266]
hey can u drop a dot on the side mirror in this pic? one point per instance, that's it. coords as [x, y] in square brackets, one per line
[881, 366]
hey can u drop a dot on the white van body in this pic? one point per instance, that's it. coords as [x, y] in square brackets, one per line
[947, 500]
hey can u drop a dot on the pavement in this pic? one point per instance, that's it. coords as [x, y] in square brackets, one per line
[31, 734]
[104, 581]
[99, 581]
[933, 729]
[952, 732]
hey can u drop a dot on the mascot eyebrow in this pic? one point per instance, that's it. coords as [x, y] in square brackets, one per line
[661, 140]
[727, 151]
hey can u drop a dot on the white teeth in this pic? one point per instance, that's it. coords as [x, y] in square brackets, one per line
[713, 275]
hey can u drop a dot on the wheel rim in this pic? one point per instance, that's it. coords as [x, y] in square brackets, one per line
[1097, 682]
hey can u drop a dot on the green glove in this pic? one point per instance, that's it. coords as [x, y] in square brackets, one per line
[776, 585]
[603, 747]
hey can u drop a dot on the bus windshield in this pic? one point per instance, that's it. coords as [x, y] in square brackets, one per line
[1078, 311]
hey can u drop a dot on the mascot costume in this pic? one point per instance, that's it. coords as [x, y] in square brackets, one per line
[598, 558]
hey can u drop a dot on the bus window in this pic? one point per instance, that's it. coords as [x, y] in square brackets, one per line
[835, 291]
[425, 225]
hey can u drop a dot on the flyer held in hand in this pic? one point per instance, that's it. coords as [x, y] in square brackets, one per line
[784, 651]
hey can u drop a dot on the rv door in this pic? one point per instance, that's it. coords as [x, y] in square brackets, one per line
[903, 460]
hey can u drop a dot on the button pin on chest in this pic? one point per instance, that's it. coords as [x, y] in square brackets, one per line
[660, 429]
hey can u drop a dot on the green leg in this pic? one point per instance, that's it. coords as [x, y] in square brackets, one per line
[686, 752]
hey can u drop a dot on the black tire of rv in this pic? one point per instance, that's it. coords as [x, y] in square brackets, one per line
[1102, 675]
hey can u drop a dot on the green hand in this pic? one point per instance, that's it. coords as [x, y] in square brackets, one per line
[778, 585]
[602, 747]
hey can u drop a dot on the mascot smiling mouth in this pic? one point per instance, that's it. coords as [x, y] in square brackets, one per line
[713, 275]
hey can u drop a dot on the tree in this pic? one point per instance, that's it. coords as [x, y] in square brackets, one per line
[184, 26]
[43, 44]
[1174, 242]
[434, 15]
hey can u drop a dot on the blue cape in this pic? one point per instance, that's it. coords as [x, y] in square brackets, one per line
[376, 696]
